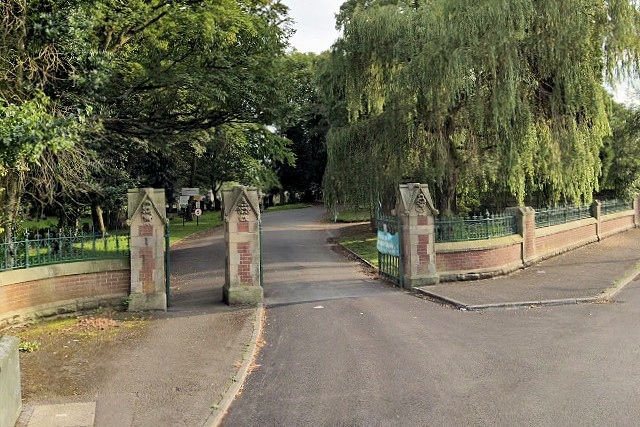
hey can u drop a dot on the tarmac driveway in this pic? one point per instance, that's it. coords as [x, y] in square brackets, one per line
[344, 349]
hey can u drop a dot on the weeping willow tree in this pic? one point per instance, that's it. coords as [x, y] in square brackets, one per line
[505, 96]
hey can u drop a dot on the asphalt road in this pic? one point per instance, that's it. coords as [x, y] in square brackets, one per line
[343, 349]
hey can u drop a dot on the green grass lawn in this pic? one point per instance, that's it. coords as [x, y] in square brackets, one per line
[351, 215]
[288, 207]
[363, 245]
[208, 220]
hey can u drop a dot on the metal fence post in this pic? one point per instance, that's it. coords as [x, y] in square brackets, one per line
[167, 263]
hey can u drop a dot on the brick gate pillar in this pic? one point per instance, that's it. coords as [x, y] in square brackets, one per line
[242, 236]
[416, 212]
[147, 220]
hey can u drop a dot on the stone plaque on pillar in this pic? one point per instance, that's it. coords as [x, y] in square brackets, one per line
[242, 236]
[416, 211]
[147, 220]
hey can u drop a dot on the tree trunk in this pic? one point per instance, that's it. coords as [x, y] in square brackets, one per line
[192, 177]
[97, 216]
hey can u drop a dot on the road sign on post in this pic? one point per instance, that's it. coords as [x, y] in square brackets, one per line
[197, 212]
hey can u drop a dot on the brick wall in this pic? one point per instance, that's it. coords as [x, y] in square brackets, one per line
[50, 290]
[486, 258]
[616, 225]
[475, 260]
[557, 239]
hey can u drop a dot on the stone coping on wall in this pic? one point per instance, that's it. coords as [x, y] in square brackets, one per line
[480, 273]
[58, 270]
[616, 215]
[478, 245]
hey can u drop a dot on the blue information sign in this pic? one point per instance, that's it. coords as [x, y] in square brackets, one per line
[388, 243]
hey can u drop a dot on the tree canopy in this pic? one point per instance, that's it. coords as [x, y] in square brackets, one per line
[142, 88]
[502, 97]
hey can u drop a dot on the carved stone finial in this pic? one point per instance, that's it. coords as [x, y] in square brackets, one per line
[421, 203]
[243, 211]
[147, 212]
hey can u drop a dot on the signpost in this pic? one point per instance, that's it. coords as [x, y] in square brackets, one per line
[197, 212]
[190, 191]
[186, 193]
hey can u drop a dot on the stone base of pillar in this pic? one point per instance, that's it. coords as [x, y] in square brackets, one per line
[147, 302]
[243, 295]
[416, 282]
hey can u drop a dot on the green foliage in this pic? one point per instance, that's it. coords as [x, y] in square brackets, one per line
[138, 89]
[28, 129]
[501, 96]
[305, 125]
[621, 154]
[29, 346]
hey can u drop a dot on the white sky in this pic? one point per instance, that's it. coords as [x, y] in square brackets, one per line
[314, 23]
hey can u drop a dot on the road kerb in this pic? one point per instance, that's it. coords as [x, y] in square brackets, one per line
[615, 288]
[221, 409]
[606, 295]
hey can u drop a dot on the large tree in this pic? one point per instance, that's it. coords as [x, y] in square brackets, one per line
[621, 154]
[305, 125]
[35, 120]
[504, 95]
[137, 82]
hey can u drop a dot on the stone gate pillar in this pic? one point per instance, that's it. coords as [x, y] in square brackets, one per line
[526, 225]
[147, 220]
[416, 212]
[242, 236]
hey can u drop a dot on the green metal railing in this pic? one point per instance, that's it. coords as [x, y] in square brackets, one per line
[29, 249]
[612, 206]
[546, 217]
[167, 262]
[475, 228]
[390, 266]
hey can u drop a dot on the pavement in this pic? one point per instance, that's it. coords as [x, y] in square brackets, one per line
[166, 381]
[187, 366]
[591, 274]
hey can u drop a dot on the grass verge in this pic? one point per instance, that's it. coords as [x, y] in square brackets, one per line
[351, 215]
[178, 230]
[288, 207]
[363, 245]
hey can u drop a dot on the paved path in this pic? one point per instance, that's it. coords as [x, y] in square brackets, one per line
[343, 349]
[181, 368]
[584, 274]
